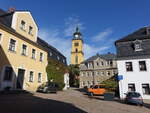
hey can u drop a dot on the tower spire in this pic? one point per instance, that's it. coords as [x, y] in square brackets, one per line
[77, 29]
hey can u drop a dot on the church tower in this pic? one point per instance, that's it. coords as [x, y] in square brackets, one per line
[77, 55]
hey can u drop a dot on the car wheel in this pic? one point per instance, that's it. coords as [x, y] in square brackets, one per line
[91, 94]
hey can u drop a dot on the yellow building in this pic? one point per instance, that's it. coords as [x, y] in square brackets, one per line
[22, 61]
[77, 55]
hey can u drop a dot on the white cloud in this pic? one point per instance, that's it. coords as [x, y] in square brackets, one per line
[70, 25]
[102, 35]
[60, 43]
[90, 50]
[64, 45]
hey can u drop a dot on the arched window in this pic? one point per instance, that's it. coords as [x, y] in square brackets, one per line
[76, 50]
[76, 59]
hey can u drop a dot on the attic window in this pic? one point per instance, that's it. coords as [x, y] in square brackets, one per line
[30, 30]
[22, 26]
[148, 30]
[137, 45]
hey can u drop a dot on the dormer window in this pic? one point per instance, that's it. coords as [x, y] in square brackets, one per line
[58, 58]
[30, 30]
[137, 45]
[22, 26]
[148, 30]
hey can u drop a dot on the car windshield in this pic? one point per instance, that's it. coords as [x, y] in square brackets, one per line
[133, 94]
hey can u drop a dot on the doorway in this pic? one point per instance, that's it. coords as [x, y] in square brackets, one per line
[20, 78]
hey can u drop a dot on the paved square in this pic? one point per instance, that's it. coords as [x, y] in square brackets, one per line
[70, 101]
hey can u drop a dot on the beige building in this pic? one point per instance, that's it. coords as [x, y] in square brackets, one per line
[97, 69]
[22, 61]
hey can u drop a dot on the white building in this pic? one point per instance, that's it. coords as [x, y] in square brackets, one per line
[66, 81]
[133, 53]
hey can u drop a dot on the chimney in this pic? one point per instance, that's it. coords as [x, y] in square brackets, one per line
[11, 10]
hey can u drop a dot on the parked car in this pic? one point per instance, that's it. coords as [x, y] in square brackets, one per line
[49, 87]
[134, 98]
[97, 90]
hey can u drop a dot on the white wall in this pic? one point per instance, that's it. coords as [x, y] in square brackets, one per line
[136, 76]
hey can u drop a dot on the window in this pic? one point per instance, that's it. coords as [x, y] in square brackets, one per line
[142, 65]
[41, 57]
[97, 63]
[102, 63]
[146, 89]
[76, 59]
[50, 54]
[129, 66]
[137, 45]
[95, 87]
[30, 30]
[22, 25]
[76, 50]
[31, 76]
[83, 83]
[12, 45]
[39, 77]
[24, 49]
[0, 38]
[8, 73]
[148, 30]
[108, 73]
[107, 63]
[88, 83]
[131, 87]
[88, 73]
[64, 61]
[58, 58]
[97, 73]
[111, 63]
[102, 73]
[76, 44]
[33, 53]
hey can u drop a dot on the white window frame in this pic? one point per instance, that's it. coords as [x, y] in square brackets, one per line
[38, 77]
[15, 45]
[41, 60]
[33, 76]
[35, 53]
[26, 54]
[137, 42]
[30, 33]
[24, 29]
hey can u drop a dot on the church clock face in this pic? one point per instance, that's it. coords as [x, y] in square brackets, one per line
[76, 35]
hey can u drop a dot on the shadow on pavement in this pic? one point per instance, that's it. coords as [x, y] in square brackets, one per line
[26, 102]
[147, 105]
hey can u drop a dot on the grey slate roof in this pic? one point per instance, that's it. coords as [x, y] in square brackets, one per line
[6, 18]
[109, 56]
[140, 34]
[46, 45]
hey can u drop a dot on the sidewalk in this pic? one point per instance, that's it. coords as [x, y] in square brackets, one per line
[147, 101]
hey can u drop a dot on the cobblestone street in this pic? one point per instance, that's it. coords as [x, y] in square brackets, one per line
[70, 101]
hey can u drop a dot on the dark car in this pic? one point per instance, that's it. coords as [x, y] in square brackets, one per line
[134, 98]
[48, 88]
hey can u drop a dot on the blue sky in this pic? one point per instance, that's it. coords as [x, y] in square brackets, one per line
[101, 21]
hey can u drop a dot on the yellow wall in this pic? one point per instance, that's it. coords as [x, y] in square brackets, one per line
[79, 53]
[16, 60]
[28, 19]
